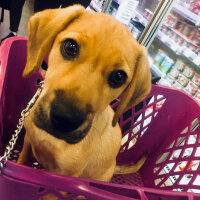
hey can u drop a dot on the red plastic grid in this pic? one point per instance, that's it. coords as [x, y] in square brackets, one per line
[178, 165]
[135, 122]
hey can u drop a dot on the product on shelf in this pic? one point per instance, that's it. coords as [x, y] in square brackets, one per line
[178, 86]
[180, 25]
[166, 65]
[177, 39]
[181, 34]
[174, 73]
[171, 20]
[192, 5]
[170, 80]
[196, 79]
[180, 65]
[163, 28]
[197, 60]
[194, 36]
[195, 7]
[191, 88]
[183, 80]
[197, 95]
[186, 30]
[182, 37]
[189, 73]
[147, 14]
[159, 58]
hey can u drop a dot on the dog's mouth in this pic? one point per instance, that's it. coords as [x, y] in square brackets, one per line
[44, 122]
[70, 137]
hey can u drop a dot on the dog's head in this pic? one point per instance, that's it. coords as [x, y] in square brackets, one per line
[93, 58]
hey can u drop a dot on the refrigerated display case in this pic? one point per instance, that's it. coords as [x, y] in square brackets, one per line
[171, 32]
[174, 53]
[141, 17]
[133, 13]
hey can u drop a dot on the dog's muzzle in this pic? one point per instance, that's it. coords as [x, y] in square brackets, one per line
[64, 121]
[66, 118]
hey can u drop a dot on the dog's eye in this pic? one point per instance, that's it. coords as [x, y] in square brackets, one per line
[117, 78]
[70, 49]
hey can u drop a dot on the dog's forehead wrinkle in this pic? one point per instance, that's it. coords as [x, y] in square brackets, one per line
[108, 27]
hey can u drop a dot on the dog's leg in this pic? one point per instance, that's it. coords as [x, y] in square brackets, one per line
[26, 155]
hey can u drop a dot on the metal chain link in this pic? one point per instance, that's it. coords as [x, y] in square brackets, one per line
[24, 114]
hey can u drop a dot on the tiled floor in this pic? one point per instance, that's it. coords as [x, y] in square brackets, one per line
[26, 13]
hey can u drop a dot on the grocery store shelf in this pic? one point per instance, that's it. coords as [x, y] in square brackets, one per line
[186, 13]
[154, 68]
[149, 11]
[183, 36]
[167, 41]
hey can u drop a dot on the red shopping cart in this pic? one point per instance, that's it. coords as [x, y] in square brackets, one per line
[165, 124]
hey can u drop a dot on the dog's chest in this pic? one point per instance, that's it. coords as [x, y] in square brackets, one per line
[89, 158]
[46, 152]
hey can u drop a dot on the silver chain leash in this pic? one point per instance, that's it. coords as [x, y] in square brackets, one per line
[24, 114]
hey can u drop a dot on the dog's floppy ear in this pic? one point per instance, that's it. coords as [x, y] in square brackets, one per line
[42, 30]
[138, 88]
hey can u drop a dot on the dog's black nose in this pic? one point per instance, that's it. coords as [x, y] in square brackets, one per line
[66, 117]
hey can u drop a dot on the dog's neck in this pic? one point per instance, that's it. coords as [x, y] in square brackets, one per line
[103, 119]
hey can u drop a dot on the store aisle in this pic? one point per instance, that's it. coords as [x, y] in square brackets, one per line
[27, 12]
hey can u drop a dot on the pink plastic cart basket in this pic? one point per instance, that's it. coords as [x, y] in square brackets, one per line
[165, 125]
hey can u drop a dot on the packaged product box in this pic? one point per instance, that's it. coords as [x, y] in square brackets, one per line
[159, 58]
[191, 88]
[171, 20]
[170, 79]
[193, 32]
[183, 80]
[174, 73]
[147, 14]
[166, 65]
[180, 25]
[189, 73]
[196, 38]
[186, 31]
[196, 79]
[180, 65]
[197, 95]
[177, 85]
[196, 7]
[163, 29]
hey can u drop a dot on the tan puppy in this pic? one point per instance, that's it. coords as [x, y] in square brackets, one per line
[93, 58]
